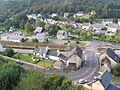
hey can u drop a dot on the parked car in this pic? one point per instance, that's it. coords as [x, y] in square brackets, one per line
[19, 62]
[82, 81]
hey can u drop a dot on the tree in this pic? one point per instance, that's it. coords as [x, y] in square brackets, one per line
[57, 82]
[29, 28]
[116, 70]
[22, 24]
[10, 75]
[9, 52]
[33, 80]
[53, 29]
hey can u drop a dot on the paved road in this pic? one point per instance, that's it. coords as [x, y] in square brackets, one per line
[86, 72]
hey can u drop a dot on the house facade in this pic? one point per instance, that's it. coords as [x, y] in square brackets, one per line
[109, 60]
[86, 26]
[74, 59]
[13, 36]
[107, 21]
[61, 34]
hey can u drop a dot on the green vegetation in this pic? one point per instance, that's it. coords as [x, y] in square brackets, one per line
[116, 73]
[45, 63]
[116, 80]
[9, 52]
[24, 57]
[14, 77]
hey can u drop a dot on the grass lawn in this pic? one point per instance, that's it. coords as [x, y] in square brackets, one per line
[28, 58]
[116, 81]
[44, 63]
[24, 57]
[85, 16]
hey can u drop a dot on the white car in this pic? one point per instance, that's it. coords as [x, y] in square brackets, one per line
[82, 81]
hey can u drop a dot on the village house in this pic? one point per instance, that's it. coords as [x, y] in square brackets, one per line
[11, 29]
[102, 82]
[108, 60]
[107, 21]
[41, 37]
[97, 27]
[66, 15]
[54, 15]
[74, 59]
[31, 16]
[1, 48]
[111, 29]
[86, 26]
[40, 30]
[50, 21]
[12, 36]
[80, 13]
[119, 22]
[61, 34]
[92, 12]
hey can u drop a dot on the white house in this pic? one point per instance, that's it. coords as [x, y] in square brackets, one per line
[107, 21]
[14, 36]
[92, 12]
[50, 21]
[119, 22]
[111, 29]
[97, 27]
[86, 26]
[40, 30]
[80, 13]
[31, 16]
[1, 48]
[61, 34]
[66, 15]
[54, 15]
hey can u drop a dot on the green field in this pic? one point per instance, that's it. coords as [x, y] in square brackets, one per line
[44, 63]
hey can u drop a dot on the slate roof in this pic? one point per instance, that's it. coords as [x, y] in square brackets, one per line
[105, 79]
[61, 32]
[39, 36]
[76, 50]
[56, 53]
[113, 55]
[40, 30]
[98, 26]
[112, 87]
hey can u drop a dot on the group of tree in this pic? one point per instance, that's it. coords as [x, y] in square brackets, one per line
[14, 77]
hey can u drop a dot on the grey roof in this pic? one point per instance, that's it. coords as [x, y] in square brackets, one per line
[39, 36]
[105, 79]
[107, 20]
[113, 26]
[112, 87]
[61, 32]
[113, 55]
[40, 30]
[76, 50]
[56, 53]
[86, 24]
[98, 26]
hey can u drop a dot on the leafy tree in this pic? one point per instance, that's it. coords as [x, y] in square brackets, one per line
[53, 29]
[29, 28]
[22, 24]
[9, 52]
[10, 75]
[35, 40]
[116, 70]
[33, 80]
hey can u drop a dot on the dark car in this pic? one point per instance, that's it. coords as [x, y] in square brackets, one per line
[19, 62]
